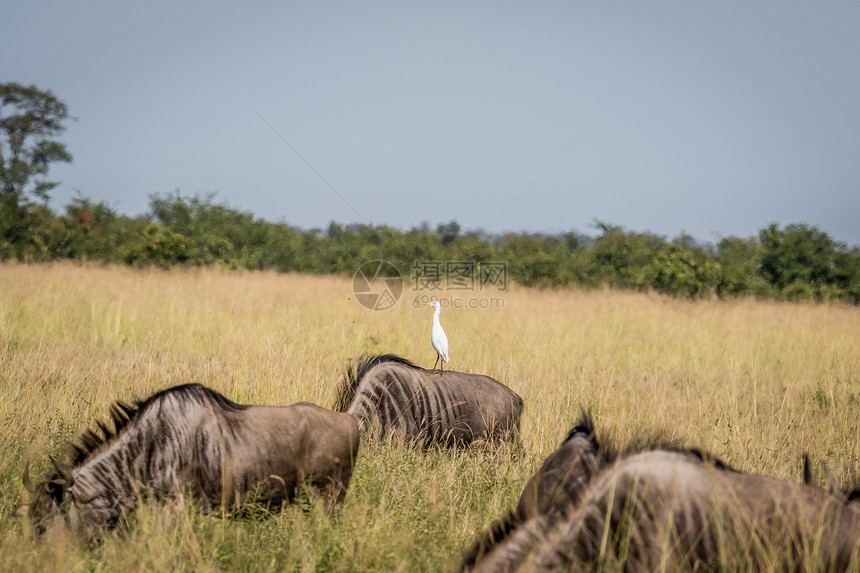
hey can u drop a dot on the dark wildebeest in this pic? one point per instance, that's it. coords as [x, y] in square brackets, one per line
[669, 508]
[391, 396]
[193, 437]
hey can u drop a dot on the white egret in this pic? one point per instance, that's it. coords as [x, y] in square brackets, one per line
[437, 336]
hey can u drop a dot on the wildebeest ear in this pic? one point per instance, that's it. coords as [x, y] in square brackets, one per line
[20, 511]
[832, 485]
[56, 488]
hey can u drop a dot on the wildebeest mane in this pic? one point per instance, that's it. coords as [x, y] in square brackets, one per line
[123, 414]
[356, 370]
[585, 426]
[608, 454]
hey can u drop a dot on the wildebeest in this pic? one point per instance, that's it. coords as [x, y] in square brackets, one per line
[192, 437]
[391, 396]
[670, 508]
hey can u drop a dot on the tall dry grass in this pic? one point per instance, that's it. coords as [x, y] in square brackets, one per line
[757, 384]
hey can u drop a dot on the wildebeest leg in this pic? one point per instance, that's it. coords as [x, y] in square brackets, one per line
[335, 492]
[314, 492]
[334, 489]
[331, 493]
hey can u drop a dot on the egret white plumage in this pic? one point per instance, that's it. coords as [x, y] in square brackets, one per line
[437, 336]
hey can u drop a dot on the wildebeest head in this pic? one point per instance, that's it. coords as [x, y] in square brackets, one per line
[564, 475]
[86, 505]
[45, 508]
[61, 500]
[65, 498]
[851, 497]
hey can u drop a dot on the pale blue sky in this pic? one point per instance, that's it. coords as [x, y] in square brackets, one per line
[712, 118]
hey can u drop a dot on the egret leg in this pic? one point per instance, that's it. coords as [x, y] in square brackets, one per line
[435, 363]
[441, 366]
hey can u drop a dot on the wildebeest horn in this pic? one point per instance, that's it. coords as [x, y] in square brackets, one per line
[807, 471]
[28, 485]
[64, 471]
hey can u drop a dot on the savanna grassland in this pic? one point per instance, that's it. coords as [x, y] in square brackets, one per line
[755, 383]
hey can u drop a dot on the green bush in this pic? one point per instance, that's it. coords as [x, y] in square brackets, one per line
[797, 262]
[679, 271]
[160, 246]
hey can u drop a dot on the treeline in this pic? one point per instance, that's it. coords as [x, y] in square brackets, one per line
[796, 262]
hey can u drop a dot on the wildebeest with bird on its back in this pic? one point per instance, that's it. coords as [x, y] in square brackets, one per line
[192, 437]
[391, 396]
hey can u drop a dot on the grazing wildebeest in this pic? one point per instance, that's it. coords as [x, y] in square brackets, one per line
[390, 395]
[670, 508]
[193, 437]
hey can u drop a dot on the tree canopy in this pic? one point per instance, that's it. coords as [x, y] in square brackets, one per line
[796, 262]
[29, 120]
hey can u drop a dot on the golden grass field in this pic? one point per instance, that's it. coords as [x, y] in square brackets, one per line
[756, 383]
